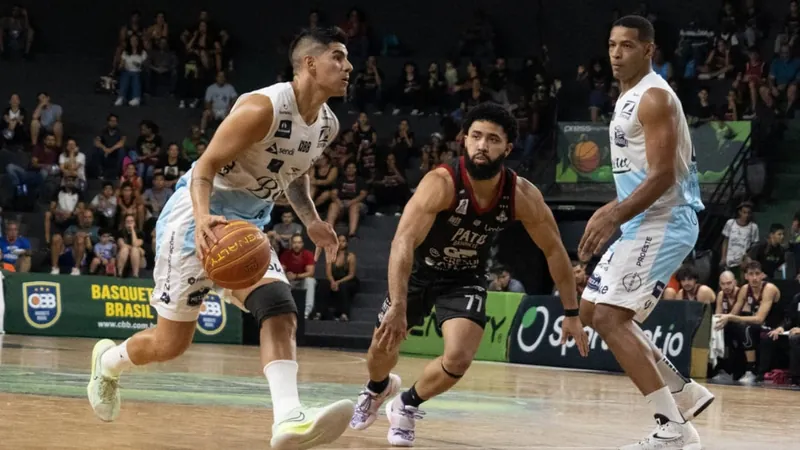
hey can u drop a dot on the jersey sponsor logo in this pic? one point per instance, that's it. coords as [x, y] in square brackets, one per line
[273, 149]
[275, 165]
[583, 128]
[468, 238]
[304, 147]
[284, 129]
[594, 283]
[627, 109]
[285, 109]
[459, 253]
[212, 315]
[619, 137]
[643, 252]
[476, 223]
[435, 253]
[196, 297]
[620, 165]
[226, 169]
[502, 217]
[658, 291]
[489, 229]
[324, 136]
[632, 282]
[454, 221]
[267, 188]
[42, 303]
[463, 204]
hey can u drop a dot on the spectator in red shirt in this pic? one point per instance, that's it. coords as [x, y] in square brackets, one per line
[44, 162]
[298, 262]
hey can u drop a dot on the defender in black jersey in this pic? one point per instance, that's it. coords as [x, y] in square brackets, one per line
[438, 258]
[743, 325]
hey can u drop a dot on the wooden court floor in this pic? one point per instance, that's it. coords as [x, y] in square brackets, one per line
[214, 397]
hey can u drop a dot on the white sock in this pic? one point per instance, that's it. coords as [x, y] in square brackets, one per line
[675, 381]
[662, 403]
[115, 360]
[282, 378]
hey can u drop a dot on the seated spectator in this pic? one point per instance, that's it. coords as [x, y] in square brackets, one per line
[223, 52]
[130, 73]
[392, 189]
[83, 236]
[16, 33]
[104, 205]
[783, 77]
[154, 199]
[740, 234]
[149, 146]
[409, 92]
[719, 63]
[579, 270]
[220, 98]
[15, 250]
[284, 230]
[660, 66]
[691, 290]
[129, 203]
[367, 87]
[357, 33]
[475, 97]
[190, 81]
[753, 76]
[161, 69]
[367, 162]
[157, 31]
[794, 242]
[743, 325]
[704, 112]
[341, 275]
[728, 293]
[435, 89]
[129, 244]
[190, 143]
[172, 165]
[350, 195]
[324, 177]
[402, 143]
[498, 82]
[43, 164]
[14, 118]
[298, 262]
[770, 252]
[732, 111]
[781, 342]
[344, 149]
[503, 282]
[131, 177]
[105, 256]
[110, 149]
[73, 163]
[47, 117]
[364, 133]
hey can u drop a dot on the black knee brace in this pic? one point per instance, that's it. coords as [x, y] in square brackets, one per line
[270, 300]
[450, 374]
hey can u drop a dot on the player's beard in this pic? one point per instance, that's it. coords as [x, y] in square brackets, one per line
[484, 171]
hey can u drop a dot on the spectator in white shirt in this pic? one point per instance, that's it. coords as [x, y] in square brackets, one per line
[130, 75]
[740, 234]
[104, 206]
[73, 163]
[220, 97]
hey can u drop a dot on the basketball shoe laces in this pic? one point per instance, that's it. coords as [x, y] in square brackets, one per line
[108, 386]
[364, 408]
[411, 414]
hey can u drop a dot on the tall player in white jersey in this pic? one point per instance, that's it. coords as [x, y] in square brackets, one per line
[264, 148]
[658, 198]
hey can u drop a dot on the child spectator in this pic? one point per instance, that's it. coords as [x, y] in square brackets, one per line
[105, 253]
[104, 205]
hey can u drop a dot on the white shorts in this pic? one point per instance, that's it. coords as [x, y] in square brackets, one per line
[180, 280]
[634, 271]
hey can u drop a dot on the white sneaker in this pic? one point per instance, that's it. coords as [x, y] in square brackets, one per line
[135, 102]
[693, 399]
[368, 403]
[119, 101]
[75, 271]
[722, 377]
[402, 422]
[309, 427]
[103, 391]
[748, 378]
[669, 436]
[55, 271]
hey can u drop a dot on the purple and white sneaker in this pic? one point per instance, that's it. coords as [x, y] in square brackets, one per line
[402, 422]
[369, 402]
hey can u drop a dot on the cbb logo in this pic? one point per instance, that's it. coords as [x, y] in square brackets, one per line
[212, 315]
[42, 303]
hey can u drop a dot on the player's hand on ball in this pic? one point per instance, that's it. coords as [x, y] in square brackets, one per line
[204, 237]
[598, 231]
[573, 328]
[393, 329]
[324, 237]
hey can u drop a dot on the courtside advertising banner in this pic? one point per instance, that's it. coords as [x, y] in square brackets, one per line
[102, 307]
[535, 335]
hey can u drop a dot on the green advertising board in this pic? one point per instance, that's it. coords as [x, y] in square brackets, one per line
[585, 156]
[101, 307]
[500, 309]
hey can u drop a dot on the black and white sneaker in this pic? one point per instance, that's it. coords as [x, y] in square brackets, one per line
[669, 435]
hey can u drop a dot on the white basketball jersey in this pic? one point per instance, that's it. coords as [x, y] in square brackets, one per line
[628, 157]
[252, 182]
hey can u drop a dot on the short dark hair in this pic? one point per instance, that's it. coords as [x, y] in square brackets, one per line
[298, 235]
[110, 116]
[687, 272]
[646, 31]
[159, 174]
[321, 35]
[499, 269]
[108, 184]
[753, 266]
[126, 184]
[492, 112]
[776, 227]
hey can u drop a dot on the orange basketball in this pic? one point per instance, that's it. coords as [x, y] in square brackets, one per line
[587, 157]
[240, 257]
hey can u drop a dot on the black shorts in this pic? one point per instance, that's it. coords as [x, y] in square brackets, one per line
[461, 297]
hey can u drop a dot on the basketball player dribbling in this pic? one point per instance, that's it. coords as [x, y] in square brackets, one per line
[658, 197]
[264, 148]
[438, 258]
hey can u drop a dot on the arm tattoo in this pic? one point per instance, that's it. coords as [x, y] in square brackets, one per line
[298, 194]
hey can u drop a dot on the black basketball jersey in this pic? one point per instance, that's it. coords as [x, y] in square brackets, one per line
[459, 242]
[728, 302]
[753, 301]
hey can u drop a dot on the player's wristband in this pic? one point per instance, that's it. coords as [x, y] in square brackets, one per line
[571, 312]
